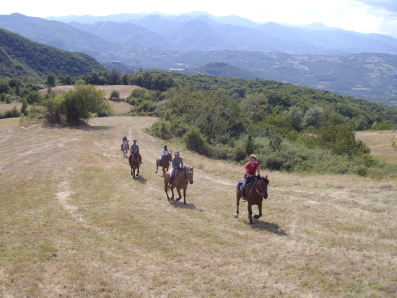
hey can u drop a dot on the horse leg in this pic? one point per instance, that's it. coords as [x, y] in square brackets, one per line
[166, 191]
[250, 213]
[157, 166]
[179, 194]
[260, 211]
[172, 191]
[137, 169]
[184, 196]
[238, 197]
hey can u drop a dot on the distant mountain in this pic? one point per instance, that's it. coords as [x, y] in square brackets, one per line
[54, 33]
[317, 56]
[21, 57]
[126, 34]
[221, 69]
[315, 39]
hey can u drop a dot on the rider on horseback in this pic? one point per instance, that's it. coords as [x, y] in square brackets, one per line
[164, 153]
[125, 139]
[251, 168]
[135, 150]
[177, 164]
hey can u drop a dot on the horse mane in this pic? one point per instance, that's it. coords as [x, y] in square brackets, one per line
[265, 179]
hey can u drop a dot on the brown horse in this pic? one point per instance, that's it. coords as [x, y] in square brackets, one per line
[180, 181]
[165, 163]
[254, 196]
[134, 164]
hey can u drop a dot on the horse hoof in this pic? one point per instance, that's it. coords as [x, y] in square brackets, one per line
[236, 215]
[178, 199]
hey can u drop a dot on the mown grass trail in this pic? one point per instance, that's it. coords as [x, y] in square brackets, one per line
[74, 223]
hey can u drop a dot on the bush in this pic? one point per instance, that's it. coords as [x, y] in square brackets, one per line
[161, 129]
[115, 95]
[195, 141]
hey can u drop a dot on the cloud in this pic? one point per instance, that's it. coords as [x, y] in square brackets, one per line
[388, 5]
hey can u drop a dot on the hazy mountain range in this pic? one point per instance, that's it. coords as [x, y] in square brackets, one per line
[317, 56]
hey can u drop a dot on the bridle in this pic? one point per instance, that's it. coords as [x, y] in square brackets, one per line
[262, 189]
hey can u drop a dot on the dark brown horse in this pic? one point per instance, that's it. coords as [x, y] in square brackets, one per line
[180, 181]
[165, 163]
[254, 196]
[134, 164]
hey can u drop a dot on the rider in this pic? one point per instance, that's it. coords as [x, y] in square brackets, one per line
[176, 164]
[135, 149]
[124, 139]
[251, 168]
[163, 153]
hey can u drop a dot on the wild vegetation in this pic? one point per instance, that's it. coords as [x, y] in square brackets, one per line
[290, 128]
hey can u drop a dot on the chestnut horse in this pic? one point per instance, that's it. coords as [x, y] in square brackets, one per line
[254, 196]
[165, 164]
[134, 164]
[180, 181]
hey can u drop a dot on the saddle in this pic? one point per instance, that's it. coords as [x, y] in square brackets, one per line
[135, 156]
[248, 186]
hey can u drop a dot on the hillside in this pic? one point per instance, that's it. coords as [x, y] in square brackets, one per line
[55, 33]
[76, 224]
[22, 57]
[221, 69]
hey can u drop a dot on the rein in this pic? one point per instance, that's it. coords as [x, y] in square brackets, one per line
[256, 188]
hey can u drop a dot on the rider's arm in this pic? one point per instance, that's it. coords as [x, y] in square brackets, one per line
[259, 170]
[247, 173]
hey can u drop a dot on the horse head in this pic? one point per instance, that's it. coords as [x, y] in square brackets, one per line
[169, 156]
[262, 184]
[189, 174]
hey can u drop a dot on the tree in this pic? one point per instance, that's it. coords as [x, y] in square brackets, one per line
[50, 82]
[296, 116]
[314, 116]
[115, 95]
[82, 101]
[24, 106]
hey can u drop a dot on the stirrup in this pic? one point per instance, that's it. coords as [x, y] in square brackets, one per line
[243, 199]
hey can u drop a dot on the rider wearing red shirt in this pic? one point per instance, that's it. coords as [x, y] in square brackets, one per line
[251, 168]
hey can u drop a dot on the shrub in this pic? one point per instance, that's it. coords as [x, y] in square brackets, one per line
[161, 129]
[115, 95]
[195, 141]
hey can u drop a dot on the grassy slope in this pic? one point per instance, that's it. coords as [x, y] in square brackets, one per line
[379, 142]
[74, 223]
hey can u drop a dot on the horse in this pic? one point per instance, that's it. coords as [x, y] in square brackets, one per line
[254, 196]
[125, 148]
[134, 164]
[165, 163]
[180, 181]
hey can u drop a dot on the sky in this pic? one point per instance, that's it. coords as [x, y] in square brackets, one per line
[365, 16]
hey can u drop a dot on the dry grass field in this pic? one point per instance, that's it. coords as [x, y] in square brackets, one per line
[4, 107]
[379, 142]
[75, 224]
[124, 90]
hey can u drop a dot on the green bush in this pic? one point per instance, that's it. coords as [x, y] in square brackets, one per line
[195, 141]
[161, 129]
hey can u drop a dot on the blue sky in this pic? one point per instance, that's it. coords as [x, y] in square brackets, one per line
[366, 16]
